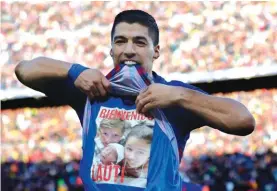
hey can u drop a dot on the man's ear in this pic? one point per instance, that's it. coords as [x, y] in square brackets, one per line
[156, 52]
[111, 53]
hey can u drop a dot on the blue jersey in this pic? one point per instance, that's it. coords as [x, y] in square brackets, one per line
[159, 173]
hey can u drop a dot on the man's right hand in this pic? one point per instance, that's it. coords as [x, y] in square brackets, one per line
[93, 83]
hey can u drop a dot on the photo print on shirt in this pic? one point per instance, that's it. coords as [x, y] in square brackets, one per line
[122, 147]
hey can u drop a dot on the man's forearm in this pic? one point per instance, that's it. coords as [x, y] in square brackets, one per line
[36, 72]
[40, 68]
[224, 114]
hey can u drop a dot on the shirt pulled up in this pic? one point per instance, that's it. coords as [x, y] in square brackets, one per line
[122, 149]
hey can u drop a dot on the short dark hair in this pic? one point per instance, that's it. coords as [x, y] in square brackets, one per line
[141, 17]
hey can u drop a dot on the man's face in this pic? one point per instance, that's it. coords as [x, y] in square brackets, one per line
[132, 42]
[110, 135]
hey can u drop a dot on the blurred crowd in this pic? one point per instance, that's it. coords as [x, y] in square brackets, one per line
[44, 176]
[40, 134]
[226, 172]
[262, 104]
[44, 139]
[234, 163]
[194, 36]
[234, 172]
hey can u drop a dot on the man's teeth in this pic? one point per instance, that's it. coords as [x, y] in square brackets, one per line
[129, 62]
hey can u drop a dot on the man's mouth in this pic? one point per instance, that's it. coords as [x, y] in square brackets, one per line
[130, 62]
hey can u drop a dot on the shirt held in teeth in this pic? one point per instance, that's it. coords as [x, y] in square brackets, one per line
[129, 62]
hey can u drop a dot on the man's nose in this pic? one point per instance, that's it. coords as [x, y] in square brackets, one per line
[129, 50]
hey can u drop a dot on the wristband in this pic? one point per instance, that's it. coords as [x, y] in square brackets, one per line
[75, 71]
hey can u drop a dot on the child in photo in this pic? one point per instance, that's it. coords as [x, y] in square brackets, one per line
[112, 154]
[109, 131]
[137, 154]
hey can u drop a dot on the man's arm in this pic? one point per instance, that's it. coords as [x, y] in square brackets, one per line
[40, 72]
[224, 114]
[62, 81]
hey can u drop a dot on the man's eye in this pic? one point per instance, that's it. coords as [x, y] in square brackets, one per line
[119, 41]
[140, 43]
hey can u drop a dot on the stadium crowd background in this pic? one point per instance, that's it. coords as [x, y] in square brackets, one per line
[195, 36]
[41, 147]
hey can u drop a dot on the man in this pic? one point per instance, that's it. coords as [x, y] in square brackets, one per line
[135, 40]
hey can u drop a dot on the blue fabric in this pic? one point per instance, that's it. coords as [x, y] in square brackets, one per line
[75, 70]
[191, 187]
[163, 166]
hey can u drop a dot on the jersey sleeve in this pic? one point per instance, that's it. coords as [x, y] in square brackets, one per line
[64, 92]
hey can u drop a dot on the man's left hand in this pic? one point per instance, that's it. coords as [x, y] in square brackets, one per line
[156, 96]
